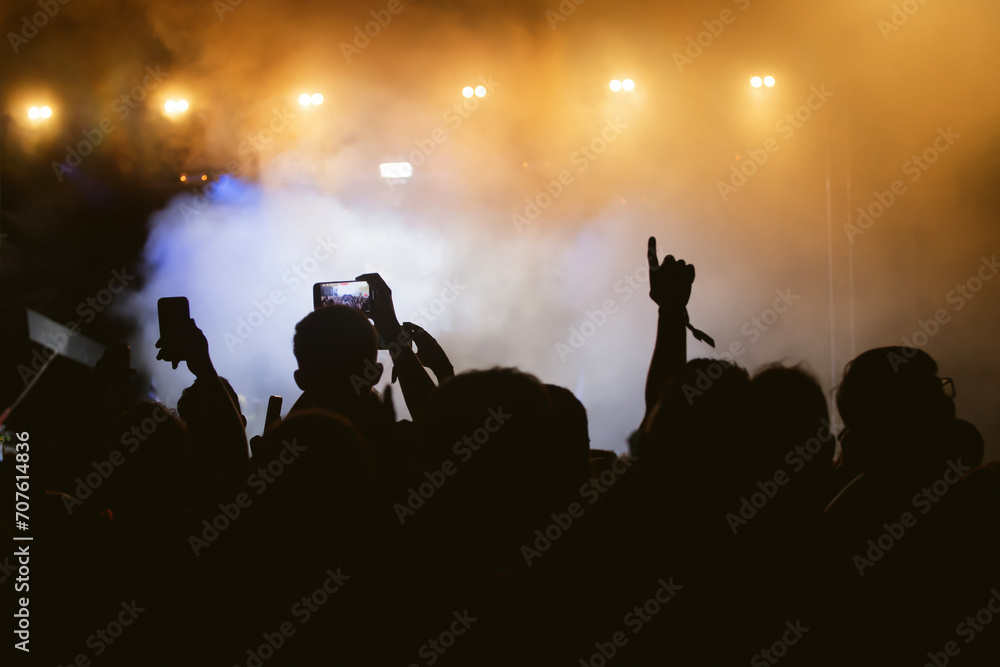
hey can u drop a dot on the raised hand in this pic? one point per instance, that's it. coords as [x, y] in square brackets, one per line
[186, 343]
[383, 312]
[670, 281]
[429, 351]
[414, 382]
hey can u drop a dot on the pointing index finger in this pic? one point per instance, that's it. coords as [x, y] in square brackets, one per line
[651, 254]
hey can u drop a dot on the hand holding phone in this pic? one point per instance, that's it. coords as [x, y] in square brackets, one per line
[383, 311]
[174, 313]
[181, 339]
[369, 294]
[273, 413]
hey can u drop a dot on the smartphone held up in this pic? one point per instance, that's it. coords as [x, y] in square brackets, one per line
[353, 293]
[356, 294]
[174, 313]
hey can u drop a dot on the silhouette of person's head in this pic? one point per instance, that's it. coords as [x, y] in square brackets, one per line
[496, 427]
[572, 436]
[698, 440]
[326, 466]
[892, 400]
[336, 348]
[794, 410]
[700, 419]
[319, 505]
[795, 422]
[154, 442]
[193, 411]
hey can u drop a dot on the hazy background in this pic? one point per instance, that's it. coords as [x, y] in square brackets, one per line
[521, 292]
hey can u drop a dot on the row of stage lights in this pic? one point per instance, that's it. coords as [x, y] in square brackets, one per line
[315, 99]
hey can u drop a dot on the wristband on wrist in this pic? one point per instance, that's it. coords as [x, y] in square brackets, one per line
[682, 316]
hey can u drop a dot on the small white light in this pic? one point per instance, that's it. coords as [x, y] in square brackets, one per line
[182, 105]
[170, 106]
[480, 91]
[305, 99]
[756, 81]
[615, 85]
[396, 169]
[628, 84]
[317, 98]
[468, 91]
[45, 112]
[769, 81]
[34, 112]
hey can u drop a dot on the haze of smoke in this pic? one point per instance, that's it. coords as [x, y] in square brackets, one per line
[685, 130]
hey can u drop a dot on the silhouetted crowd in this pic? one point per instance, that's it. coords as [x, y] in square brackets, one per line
[489, 531]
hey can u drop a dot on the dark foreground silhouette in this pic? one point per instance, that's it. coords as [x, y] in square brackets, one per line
[491, 531]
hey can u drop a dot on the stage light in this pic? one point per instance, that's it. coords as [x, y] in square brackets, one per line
[305, 99]
[756, 81]
[628, 84]
[317, 98]
[468, 91]
[480, 91]
[615, 85]
[184, 178]
[37, 113]
[175, 106]
[396, 169]
[204, 177]
[769, 81]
